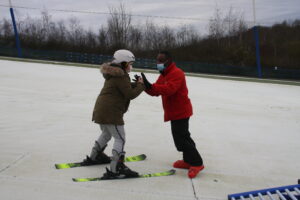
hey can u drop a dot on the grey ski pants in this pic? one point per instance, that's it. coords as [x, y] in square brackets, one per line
[115, 131]
[118, 133]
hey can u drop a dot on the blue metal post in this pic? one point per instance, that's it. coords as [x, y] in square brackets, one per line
[16, 33]
[256, 36]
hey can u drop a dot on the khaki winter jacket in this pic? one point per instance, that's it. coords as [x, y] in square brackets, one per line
[114, 98]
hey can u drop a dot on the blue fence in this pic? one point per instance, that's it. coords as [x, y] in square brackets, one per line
[196, 67]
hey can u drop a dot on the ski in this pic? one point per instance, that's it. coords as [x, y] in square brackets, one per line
[166, 173]
[140, 157]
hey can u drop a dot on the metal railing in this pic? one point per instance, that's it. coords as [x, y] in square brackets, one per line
[290, 192]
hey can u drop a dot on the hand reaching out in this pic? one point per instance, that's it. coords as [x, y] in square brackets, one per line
[147, 84]
[138, 79]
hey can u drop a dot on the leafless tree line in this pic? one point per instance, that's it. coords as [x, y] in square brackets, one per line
[119, 32]
[229, 39]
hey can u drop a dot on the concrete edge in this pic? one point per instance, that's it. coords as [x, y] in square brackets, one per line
[201, 75]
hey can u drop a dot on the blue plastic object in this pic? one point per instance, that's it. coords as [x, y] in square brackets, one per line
[290, 192]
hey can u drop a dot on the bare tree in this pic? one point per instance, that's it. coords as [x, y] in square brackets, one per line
[6, 29]
[76, 32]
[119, 25]
[135, 38]
[91, 40]
[103, 39]
[168, 38]
[31, 31]
[152, 38]
[61, 31]
[46, 23]
[186, 35]
[231, 24]
[216, 27]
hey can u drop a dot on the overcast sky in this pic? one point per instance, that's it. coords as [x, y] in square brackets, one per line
[267, 11]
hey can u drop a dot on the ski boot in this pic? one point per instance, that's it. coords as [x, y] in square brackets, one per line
[97, 156]
[109, 175]
[118, 169]
[123, 172]
[128, 173]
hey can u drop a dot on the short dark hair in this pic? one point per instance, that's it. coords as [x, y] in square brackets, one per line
[167, 54]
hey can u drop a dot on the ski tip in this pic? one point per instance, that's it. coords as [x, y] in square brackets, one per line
[139, 157]
[75, 179]
[61, 166]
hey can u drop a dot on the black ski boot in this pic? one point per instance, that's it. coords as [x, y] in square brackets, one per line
[109, 175]
[122, 171]
[97, 156]
[103, 159]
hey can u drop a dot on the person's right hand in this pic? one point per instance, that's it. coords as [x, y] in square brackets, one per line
[140, 80]
[136, 78]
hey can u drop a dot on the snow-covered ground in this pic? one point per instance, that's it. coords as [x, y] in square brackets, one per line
[247, 133]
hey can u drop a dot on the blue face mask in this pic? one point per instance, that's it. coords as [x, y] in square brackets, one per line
[160, 67]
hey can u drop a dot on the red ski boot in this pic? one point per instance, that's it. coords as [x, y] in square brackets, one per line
[194, 170]
[181, 164]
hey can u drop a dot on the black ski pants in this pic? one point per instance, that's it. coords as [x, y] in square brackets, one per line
[184, 143]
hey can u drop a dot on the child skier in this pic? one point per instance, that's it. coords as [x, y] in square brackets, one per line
[109, 109]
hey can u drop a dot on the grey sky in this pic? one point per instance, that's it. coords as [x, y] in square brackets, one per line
[267, 11]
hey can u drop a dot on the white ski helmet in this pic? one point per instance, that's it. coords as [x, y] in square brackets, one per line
[123, 55]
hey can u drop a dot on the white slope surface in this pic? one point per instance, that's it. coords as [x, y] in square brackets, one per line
[247, 133]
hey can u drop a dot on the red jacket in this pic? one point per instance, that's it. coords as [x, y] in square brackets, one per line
[171, 85]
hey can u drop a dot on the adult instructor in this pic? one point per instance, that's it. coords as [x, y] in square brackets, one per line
[171, 85]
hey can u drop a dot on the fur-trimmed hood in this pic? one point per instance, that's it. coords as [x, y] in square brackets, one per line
[110, 70]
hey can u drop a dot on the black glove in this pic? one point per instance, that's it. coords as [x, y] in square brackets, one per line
[136, 78]
[147, 84]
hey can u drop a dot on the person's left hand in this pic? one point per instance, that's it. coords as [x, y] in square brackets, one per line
[147, 84]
